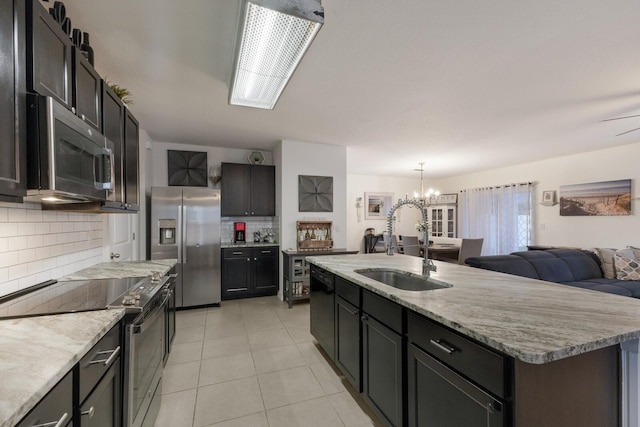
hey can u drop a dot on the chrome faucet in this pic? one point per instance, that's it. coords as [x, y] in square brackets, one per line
[427, 265]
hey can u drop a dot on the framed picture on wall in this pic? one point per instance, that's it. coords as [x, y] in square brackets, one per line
[377, 205]
[549, 198]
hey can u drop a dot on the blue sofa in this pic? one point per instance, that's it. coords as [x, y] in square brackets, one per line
[571, 267]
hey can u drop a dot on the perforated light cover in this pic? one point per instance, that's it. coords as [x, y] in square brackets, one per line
[272, 45]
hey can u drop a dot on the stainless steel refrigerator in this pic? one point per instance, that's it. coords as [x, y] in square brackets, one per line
[185, 224]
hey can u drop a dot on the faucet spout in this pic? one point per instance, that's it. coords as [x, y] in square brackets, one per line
[427, 265]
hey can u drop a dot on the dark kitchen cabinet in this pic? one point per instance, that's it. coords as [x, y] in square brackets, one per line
[87, 91]
[55, 409]
[49, 57]
[248, 190]
[382, 357]
[249, 272]
[113, 129]
[322, 308]
[103, 406]
[13, 155]
[348, 355]
[131, 161]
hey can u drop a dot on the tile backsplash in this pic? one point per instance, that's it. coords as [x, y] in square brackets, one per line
[37, 245]
[253, 224]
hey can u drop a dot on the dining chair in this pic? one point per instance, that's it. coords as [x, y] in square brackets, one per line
[410, 245]
[469, 248]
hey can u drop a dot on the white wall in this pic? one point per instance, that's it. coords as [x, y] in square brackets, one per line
[406, 216]
[303, 158]
[549, 228]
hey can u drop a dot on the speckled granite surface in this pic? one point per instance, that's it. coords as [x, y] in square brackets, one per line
[531, 320]
[120, 270]
[36, 352]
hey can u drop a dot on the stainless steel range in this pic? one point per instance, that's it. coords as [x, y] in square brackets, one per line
[144, 301]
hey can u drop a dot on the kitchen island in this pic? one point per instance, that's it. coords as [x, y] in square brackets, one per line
[541, 330]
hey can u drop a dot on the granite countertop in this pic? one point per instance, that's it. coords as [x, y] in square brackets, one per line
[246, 244]
[531, 320]
[121, 270]
[37, 352]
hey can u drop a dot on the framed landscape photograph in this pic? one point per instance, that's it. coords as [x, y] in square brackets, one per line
[377, 205]
[607, 198]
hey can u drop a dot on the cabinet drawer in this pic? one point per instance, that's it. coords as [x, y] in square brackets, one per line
[265, 251]
[98, 360]
[387, 312]
[236, 252]
[348, 291]
[478, 363]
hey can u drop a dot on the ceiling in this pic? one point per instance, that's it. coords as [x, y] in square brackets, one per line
[463, 85]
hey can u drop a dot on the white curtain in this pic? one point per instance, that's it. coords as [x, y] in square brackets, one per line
[501, 215]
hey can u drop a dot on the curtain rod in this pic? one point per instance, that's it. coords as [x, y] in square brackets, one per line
[498, 186]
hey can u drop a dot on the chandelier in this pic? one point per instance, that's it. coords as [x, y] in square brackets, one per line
[425, 197]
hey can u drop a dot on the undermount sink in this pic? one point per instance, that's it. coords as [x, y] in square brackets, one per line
[402, 280]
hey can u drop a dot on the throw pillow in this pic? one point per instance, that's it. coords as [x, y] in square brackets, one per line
[606, 262]
[636, 251]
[627, 268]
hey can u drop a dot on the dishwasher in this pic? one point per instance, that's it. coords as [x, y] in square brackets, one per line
[322, 298]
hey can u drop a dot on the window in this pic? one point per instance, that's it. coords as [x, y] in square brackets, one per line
[501, 215]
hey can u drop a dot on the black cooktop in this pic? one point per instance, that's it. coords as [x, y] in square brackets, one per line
[65, 297]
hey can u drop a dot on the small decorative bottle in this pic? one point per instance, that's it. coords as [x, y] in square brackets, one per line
[86, 49]
[313, 234]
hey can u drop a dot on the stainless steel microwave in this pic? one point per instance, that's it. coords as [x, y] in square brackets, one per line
[67, 160]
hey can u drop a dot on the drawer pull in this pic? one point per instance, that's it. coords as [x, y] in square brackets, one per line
[353, 313]
[90, 412]
[444, 346]
[108, 360]
[62, 421]
[237, 253]
[266, 252]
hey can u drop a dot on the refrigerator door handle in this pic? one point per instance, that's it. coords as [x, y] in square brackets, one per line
[184, 230]
[179, 237]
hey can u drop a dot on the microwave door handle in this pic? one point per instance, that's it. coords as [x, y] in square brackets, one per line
[112, 180]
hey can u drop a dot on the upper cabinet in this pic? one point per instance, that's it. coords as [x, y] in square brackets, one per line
[87, 91]
[248, 190]
[113, 129]
[13, 171]
[49, 63]
[131, 161]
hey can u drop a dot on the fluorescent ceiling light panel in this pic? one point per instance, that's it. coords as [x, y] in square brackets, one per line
[275, 35]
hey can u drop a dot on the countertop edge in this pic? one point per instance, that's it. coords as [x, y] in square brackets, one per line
[527, 356]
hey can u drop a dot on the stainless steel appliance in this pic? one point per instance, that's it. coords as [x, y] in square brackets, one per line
[145, 301]
[68, 160]
[185, 225]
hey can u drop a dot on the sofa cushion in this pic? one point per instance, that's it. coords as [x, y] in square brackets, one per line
[582, 263]
[509, 264]
[548, 266]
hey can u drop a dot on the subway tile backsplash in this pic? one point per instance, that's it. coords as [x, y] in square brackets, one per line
[37, 245]
[256, 223]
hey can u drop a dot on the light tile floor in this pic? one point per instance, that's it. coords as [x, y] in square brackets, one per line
[253, 362]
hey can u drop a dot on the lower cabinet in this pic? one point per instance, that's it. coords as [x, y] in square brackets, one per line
[440, 397]
[55, 409]
[249, 272]
[90, 394]
[348, 346]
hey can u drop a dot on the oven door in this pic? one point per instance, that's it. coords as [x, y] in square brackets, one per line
[146, 340]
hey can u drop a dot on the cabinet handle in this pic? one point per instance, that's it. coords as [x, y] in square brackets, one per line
[248, 259]
[90, 412]
[62, 421]
[237, 253]
[354, 313]
[108, 360]
[364, 318]
[246, 213]
[444, 346]
[266, 252]
[255, 259]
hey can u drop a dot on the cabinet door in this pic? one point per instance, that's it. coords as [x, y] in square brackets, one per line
[263, 190]
[348, 354]
[87, 91]
[113, 129]
[13, 155]
[131, 158]
[235, 189]
[265, 279]
[440, 397]
[102, 408]
[49, 55]
[382, 370]
[235, 277]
